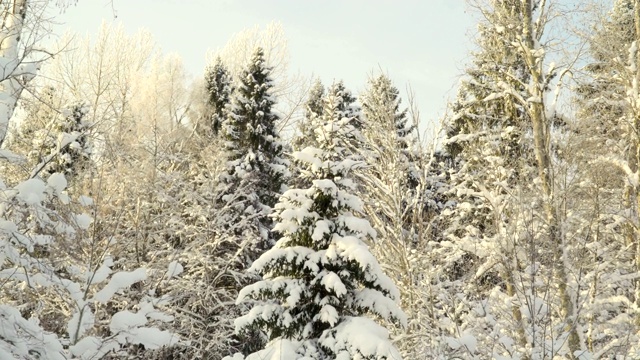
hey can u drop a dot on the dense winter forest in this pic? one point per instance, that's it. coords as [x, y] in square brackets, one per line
[256, 214]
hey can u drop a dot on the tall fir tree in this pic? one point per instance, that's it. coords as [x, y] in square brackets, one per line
[218, 85]
[603, 110]
[382, 100]
[75, 147]
[346, 104]
[305, 135]
[256, 171]
[312, 112]
[314, 105]
[484, 138]
[320, 280]
[60, 142]
[381, 110]
[252, 110]
[482, 105]
[389, 187]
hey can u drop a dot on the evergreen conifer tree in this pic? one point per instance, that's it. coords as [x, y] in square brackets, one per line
[392, 200]
[218, 84]
[63, 145]
[312, 112]
[255, 155]
[75, 145]
[314, 104]
[320, 280]
[346, 104]
[252, 111]
[381, 111]
[603, 110]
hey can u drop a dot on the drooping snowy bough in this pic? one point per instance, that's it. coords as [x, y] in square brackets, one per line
[320, 284]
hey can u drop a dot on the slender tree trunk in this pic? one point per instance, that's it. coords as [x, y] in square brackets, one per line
[10, 88]
[541, 127]
[634, 158]
[515, 311]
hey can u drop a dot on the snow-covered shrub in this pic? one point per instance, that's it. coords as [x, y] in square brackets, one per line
[61, 281]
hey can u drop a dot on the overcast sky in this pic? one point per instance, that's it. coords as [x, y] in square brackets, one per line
[417, 42]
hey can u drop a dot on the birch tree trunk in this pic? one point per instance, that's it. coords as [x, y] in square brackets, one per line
[11, 66]
[634, 158]
[541, 129]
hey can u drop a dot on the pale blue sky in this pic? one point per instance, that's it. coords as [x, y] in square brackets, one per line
[424, 43]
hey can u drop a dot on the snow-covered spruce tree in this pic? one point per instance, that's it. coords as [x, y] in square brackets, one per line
[66, 147]
[602, 94]
[305, 136]
[218, 86]
[312, 111]
[41, 112]
[315, 102]
[53, 137]
[249, 187]
[254, 153]
[346, 106]
[389, 188]
[346, 103]
[604, 110]
[381, 110]
[381, 104]
[320, 282]
[256, 124]
[485, 139]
